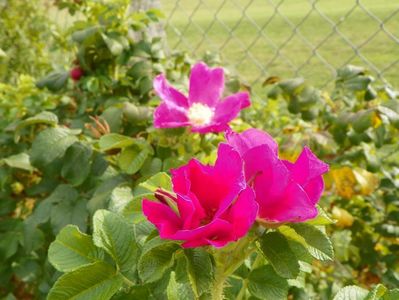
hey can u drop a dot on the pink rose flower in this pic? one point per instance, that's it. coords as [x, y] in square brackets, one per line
[203, 110]
[213, 204]
[285, 191]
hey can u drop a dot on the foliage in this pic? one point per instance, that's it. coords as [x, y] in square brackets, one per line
[25, 50]
[79, 153]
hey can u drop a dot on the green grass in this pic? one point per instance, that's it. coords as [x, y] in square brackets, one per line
[357, 27]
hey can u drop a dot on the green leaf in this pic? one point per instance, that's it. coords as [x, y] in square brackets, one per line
[136, 114]
[103, 193]
[322, 218]
[351, 292]
[19, 161]
[151, 167]
[120, 198]
[54, 81]
[44, 117]
[201, 269]
[113, 234]
[132, 159]
[115, 141]
[160, 180]
[274, 246]
[113, 116]
[319, 245]
[73, 249]
[72, 211]
[264, 283]
[113, 44]
[81, 35]
[76, 166]
[97, 281]
[156, 258]
[342, 241]
[179, 286]
[391, 295]
[376, 293]
[49, 145]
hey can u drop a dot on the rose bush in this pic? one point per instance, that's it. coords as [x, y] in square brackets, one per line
[89, 211]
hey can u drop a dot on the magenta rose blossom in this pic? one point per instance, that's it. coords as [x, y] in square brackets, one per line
[203, 110]
[213, 204]
[285, 191]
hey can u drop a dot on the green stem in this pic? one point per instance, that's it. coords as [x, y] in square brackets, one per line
[218, 285]
[128, 282]
[241, 295]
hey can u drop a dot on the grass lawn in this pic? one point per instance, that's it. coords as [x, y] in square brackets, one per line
[247, 38]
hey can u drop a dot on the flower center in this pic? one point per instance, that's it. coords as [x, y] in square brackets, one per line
[200, 114]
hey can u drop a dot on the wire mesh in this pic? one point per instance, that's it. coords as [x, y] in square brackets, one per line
[286, 38]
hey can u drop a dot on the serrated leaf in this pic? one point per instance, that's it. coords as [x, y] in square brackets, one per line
[132, 159]
[376, 293]
[19, 161]
[351, 292]
[76, 166]
[322, 218]
[201, 269]
[115, 141]
[157, 257]
[319, 245]
[115, 236]
[274, 246]
[264, 283]
[97, 281]
[49, 145]
[73, 249]
[178, 290]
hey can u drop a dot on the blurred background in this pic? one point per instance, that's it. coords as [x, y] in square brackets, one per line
[308, 38]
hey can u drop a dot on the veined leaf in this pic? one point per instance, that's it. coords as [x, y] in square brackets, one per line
[264, 283]
[156, 258]
[318, 243]
[274, 246]
[115, 236]
[97, 281]
[351, 292]
[73, 249]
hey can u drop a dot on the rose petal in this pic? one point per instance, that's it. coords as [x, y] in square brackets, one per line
[306, 167]
[206, 85]
[230, 107]
[217, 231]
[249, 139]
[243, 212]
[162, 216]
[168, 94]
[293, 205]
[229, 169]
[168, 117]
[210, 128]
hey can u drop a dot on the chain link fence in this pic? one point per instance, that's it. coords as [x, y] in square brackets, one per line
[286, 38]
